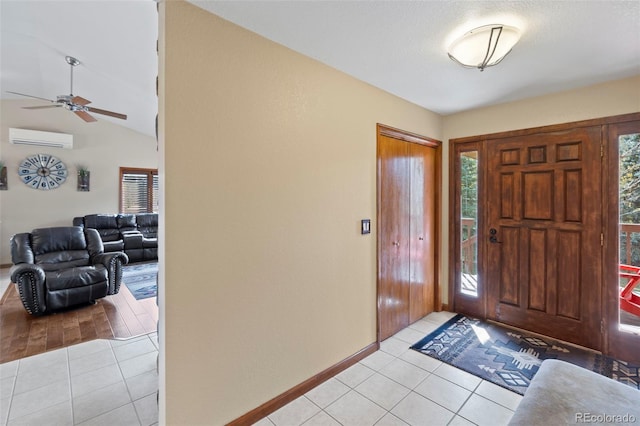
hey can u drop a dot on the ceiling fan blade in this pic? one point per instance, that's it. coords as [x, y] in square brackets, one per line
[85, 116]
[31, 96]
[43, 107]
[109, 113]
[80, 100]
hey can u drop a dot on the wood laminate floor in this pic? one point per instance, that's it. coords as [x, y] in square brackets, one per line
[120, 316]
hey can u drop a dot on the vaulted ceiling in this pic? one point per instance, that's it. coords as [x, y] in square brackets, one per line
[115, 42]
[398, 46]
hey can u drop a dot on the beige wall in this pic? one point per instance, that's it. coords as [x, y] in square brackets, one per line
[269, 165]
[101, 146]
[602, 100]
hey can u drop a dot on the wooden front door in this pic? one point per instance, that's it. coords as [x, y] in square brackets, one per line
[544, 234]
[407, 240]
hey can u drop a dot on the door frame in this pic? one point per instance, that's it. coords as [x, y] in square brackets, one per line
[614, 343]
[619, 344]
[473, 306]
[391, 132]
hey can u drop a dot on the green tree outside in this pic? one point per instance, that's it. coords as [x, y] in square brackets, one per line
[629, 148]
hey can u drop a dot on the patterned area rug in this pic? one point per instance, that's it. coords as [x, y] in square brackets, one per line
[510, 358]
[141, 279]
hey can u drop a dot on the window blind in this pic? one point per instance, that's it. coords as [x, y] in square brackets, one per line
[139, 191]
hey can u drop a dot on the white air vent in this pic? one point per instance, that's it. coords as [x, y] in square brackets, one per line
[38, 138]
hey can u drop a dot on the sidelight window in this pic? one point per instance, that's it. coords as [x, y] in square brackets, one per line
[629, 225]
[469, 223]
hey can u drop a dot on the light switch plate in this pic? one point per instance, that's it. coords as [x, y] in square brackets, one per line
[365, 226]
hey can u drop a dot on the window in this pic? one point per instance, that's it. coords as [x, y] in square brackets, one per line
[468, 188]
[138, 190]
[467, 293]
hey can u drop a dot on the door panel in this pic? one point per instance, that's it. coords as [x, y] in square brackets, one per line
[393, 244]
[422, 231]
[507, 189]
[569, 275]
[544, 260]
[537, 196]
[510, 257]
[537, 271]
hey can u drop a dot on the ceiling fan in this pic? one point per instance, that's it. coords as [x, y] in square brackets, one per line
[75, 104]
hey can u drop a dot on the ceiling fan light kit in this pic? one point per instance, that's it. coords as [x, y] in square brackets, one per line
[75, 104]
[484, 46]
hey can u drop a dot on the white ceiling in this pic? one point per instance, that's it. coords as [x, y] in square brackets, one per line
[398, 46]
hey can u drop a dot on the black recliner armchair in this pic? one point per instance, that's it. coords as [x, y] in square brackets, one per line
[55, 268]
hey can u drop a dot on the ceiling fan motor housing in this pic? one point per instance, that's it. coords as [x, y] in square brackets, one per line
[72, 61]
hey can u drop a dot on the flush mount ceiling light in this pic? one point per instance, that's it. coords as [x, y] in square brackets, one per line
[484, 46]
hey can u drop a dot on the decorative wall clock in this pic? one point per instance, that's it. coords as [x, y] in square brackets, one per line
[42, 171]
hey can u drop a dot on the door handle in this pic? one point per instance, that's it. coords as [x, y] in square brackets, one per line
[493, 238]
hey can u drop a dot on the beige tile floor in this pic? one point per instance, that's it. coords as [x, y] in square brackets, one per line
[112, 382]
[102, 382]
[399, 386]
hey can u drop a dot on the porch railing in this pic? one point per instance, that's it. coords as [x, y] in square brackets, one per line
[468, 246]
[630, 243]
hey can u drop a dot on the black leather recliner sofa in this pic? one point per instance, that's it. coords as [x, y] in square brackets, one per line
[135, 234]
[142, 244]
[55, 268]
[109, 227]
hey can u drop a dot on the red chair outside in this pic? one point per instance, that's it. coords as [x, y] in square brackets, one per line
[629, 301]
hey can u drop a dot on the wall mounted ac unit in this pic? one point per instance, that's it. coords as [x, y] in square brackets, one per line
[38, 138]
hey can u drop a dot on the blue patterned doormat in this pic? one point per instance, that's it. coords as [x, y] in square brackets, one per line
[141, 279]
[510, 358]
